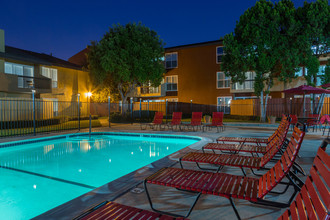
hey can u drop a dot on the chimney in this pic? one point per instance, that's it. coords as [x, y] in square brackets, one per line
[2, 41]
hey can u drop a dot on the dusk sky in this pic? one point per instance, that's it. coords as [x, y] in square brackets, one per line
[63, 28]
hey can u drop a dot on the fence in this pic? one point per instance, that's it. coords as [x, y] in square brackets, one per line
[32, 116]
[277, 107]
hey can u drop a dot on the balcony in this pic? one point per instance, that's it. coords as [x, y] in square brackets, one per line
[18, 83]
[247, 86]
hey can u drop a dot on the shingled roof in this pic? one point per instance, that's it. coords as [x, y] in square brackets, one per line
[36, 58]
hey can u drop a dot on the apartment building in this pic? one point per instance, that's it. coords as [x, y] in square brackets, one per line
[193, 74]
[22, 72]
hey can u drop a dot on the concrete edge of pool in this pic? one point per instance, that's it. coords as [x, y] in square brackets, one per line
[118, 187]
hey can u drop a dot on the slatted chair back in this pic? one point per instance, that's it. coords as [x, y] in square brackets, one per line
[196, 118]
[158, 119]
[270, 179]
[217, 119]
[313, 201]
[176, 118]
[323, 119]
[285, 119]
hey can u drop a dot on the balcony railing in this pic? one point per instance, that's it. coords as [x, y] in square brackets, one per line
[149, 90]
[18, 83]
[247, 85]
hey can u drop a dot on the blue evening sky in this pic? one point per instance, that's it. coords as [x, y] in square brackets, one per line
[63, 28]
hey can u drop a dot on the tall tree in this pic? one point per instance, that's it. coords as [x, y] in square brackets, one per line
[263, 41]
[315, 19]
[126, 57]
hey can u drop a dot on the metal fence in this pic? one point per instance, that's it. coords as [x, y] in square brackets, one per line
[31, 116]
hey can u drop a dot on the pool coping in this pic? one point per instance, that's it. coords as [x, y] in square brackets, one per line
[116, 188]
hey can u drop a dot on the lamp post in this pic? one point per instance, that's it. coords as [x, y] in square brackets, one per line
[89, 94]
[34, 111]
[78, 96]
[109, 101]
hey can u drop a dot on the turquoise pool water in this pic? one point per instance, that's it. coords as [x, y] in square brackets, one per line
[36, 177]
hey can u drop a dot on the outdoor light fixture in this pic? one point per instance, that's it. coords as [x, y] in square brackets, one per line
[89, 94]
[33, 91]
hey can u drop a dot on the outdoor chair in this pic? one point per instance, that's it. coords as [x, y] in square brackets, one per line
[217, 121]
[158, 121]
[196, 121]
[281, 131]
[294, 120]
[230, 186]
[113, 210]
[176, 121]
[258, 141]
[313, 122]
[313, 201]
[243, 161]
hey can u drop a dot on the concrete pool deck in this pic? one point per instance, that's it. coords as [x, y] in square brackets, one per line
[208, 206]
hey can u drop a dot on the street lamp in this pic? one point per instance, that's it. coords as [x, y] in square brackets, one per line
[89, 94]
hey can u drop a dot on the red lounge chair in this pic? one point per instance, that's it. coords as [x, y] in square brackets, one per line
[313, 201]
[176, 120]
[196, 121]
[258, 141]
[232, 186]
[217, 121]
[158, 120]
[240, 161]
[282, 131]
[112, 210]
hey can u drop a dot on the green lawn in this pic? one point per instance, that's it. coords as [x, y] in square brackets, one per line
[59, 127]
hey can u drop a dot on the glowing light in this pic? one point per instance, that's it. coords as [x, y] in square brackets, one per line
[34, 186]
[109, 160]
[79, 170]
[132, 153]
[88, 94]
[166, 148]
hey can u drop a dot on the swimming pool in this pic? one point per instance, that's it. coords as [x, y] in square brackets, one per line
[39, 174]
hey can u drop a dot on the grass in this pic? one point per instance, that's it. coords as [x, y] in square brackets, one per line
[59, 127]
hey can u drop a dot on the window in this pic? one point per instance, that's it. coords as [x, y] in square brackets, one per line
[26, 81]
[220, 53]
[319, 74]
[171, 83]
[223, 104]
[248, 84]
[300, 72]
[51, 74]
[146, 88]
[171, 60]
[223, 81]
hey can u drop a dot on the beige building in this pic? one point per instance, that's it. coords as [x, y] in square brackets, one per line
[23, 71]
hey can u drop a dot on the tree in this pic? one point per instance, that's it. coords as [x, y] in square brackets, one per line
[264, 41]
[126, 57]
[315, 19]
[325, 78]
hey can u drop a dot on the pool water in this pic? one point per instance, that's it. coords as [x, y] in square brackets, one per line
[36, 177]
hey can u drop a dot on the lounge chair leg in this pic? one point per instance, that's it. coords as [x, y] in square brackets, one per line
[169, 213]
[243, 171]
[255, 173]
[234, 207]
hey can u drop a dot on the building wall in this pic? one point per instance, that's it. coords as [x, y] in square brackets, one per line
[70, 82]
[197, 71]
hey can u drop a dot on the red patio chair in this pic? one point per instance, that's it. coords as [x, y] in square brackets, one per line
[258, 141]
[241, 161]
[217, 121]
[158, 120]
[230, 186]
[113, 210]
[196, 121]
[294, 120]
[313, 201]
[313, 122]
[282, 131]
[176, 120]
